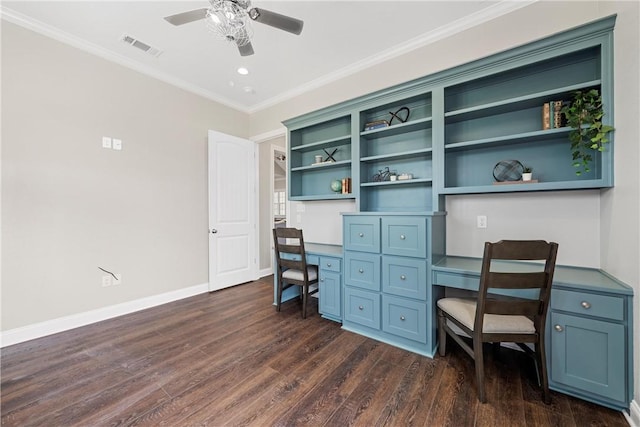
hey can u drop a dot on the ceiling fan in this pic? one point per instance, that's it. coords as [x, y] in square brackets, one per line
[228, 19]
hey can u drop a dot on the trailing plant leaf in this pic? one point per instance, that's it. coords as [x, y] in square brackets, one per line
[584, 115]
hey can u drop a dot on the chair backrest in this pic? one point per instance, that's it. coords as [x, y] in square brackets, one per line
[517, 276]
[290, 254]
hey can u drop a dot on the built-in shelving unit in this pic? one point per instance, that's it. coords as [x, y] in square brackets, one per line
[309, 179]
[499, 117]
[461, 123]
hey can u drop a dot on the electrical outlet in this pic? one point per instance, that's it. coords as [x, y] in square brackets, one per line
[481, 221]
[106, 142]
[106, 280]
[117, 144]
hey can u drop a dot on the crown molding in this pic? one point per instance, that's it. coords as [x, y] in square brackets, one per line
[39, 27]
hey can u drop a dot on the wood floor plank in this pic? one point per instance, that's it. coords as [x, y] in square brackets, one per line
[228, 358]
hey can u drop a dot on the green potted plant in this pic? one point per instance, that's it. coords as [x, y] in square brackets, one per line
[527, 173]
[584, 115]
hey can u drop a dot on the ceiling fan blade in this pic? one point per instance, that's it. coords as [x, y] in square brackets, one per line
[276, 20]
[186, 17]
[246, 50]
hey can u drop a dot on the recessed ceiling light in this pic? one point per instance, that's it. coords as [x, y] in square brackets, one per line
[243, 71]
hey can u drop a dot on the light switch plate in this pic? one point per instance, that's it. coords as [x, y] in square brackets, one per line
[117, 144]
[106, 142]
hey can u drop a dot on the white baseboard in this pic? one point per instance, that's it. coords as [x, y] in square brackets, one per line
[37, 330]
[633, 418]
[265, 272]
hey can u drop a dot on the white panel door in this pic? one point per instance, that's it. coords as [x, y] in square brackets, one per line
[232, 211]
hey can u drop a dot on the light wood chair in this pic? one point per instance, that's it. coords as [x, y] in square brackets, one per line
[494, 319]
[292, 268]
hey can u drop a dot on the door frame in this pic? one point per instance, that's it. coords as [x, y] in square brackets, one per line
[273, 149]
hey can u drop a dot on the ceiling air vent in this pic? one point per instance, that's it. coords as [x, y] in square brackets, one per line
[141, 45]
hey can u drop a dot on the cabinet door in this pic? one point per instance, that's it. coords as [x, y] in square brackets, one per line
[589, 355]
[362, 233]
[404, 318]
[406, 277]
[404, 236]
[330, 304]
[362, 270]
[362, 307]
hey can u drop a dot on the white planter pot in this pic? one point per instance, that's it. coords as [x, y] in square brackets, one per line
[526, 176]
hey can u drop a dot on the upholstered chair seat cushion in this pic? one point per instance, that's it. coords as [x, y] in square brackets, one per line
[294, 274]
[464, 311]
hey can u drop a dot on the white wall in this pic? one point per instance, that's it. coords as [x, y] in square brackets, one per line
[528, 216]
[69, 206]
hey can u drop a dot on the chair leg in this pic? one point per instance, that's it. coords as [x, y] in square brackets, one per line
[442, 335]
[542, 362]
[279, 295]
[479, 362]
[305, 296]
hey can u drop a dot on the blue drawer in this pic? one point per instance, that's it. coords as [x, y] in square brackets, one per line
[404, 236]
[406, 277]
[404, 318]
[362, 270]
[330, 264]
[362, 307]
[362, 234]
[605, 306]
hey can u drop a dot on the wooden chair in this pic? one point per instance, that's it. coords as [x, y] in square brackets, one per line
[495, 319]
[292, 268]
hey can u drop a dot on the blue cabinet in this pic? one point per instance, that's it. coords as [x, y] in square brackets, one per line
[387, 293]
[589, 335]
[330, 288]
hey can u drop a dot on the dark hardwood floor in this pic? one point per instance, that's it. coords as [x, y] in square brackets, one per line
[228, 358]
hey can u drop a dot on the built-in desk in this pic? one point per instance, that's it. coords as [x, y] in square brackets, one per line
[328, 258]
[589, 327]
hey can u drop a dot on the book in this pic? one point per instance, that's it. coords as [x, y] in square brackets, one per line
[346, 185]
[546, 116]
[557, 114]
[376, 125]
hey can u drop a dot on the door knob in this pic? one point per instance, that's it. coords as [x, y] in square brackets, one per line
[214, 231]
[558, 328]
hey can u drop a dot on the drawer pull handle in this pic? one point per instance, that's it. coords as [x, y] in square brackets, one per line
[585, 305]
[328, 264]
[403, 277]
[360, 271]
[402, 318]
[559, 328]
[402, 237]
[361, 234]
[360, 308]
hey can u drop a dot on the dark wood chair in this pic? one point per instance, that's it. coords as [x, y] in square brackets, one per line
[291, 265]
[495, 319]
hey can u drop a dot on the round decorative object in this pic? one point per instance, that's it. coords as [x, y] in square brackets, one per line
[508, 170]
[336, 185]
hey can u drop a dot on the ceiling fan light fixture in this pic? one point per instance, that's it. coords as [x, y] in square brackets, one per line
[228, 27]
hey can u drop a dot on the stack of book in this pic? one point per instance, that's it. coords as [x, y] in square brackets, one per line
[552, 116]
[376, 125]
[346, 185]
